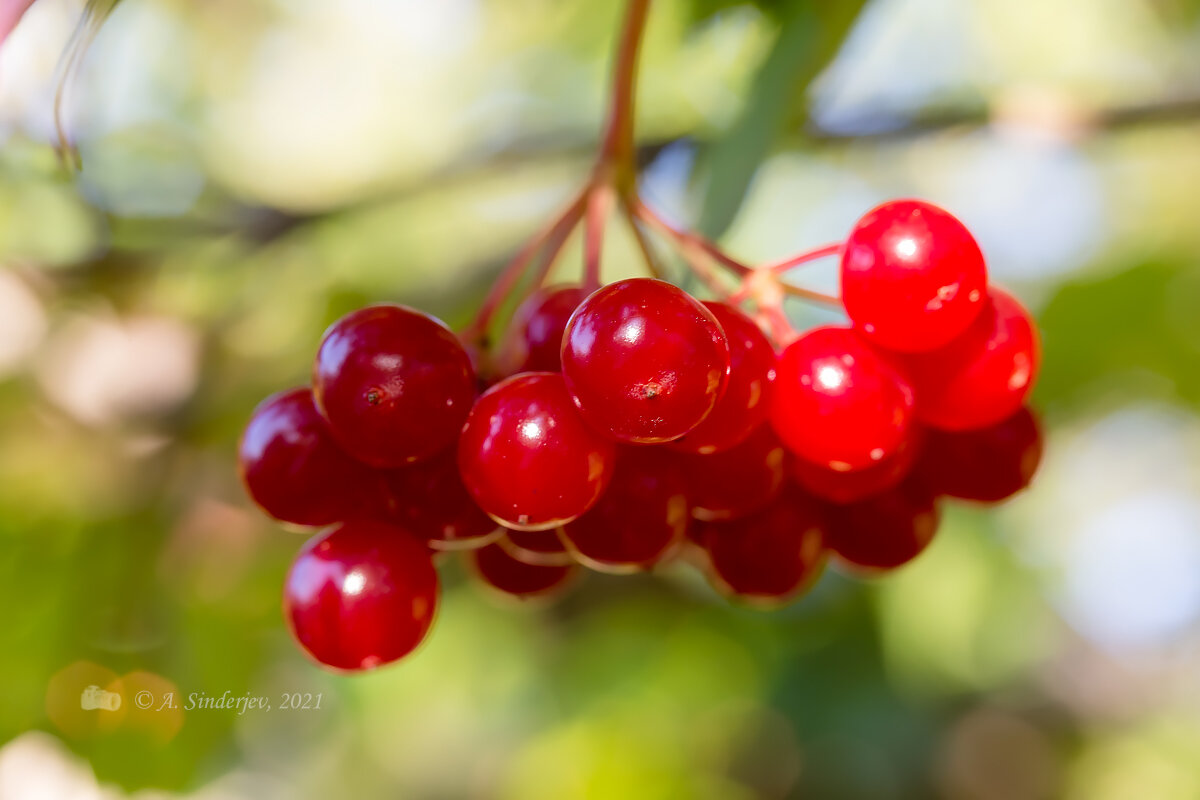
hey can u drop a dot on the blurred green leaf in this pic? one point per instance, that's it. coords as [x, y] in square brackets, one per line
[810, 34]
[1130, 334]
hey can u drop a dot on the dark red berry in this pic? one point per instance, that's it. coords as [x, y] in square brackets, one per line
[735, 482]
[535, 342]
[640, 519]
[644, 361]
[541, 548]
[838, 403]
[984, 376]
[430, 500]
[395, 384]
[527, 457]
[745, 402]
[986, 465]
[361, 595]
[294, 471]
[913, 277]
[848, 487]
[884, 531]
[769, 557]
[499, 570]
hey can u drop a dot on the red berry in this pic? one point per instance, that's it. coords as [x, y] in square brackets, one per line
[294, 471]
[541, 548]
[361, 595]
[848, 487]
[499, 570]
[430, 500]
[768, 557]
[884, 531]
[984, 376]
[394, 384]
[738, 481]
[644, 361]
[913, 277]
[744, 404]
[535, 344]
[986, 465]
[527, 457]
[838, 403]
[640, 519]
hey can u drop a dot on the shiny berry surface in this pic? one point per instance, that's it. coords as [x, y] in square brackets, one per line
[526, 456]
[987, 465]
[430, 500]
[884, 531]
[538, 325]
[641, 518]
[848, 487]
[912, 276]
[395, 384]
[769, 557]
[294, 471]
[542, 548]
[838, 403]
[497, 569]
[644, 361]
[735, 482]
[984, 376]
[743, 405]
[361, 595]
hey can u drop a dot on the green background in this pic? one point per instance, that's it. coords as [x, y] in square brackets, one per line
[252, 169]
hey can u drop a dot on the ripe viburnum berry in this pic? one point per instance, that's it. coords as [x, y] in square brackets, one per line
[640, 519]
[769, 557]
[913, 277]
[294, 471]
[360, 595]
[745, 402]
[986, 465]
[838, 403]
[430, 500]
[527, 457]
[984, 376]
[737, 481]
[884, 531]
[535, 344]
[644, 361]
[848, 487]
[501, 572]
[395, 384]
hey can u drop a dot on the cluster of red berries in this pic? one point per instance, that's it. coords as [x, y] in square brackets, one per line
[636, 423]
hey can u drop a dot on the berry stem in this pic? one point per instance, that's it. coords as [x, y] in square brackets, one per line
[558, 228]
[643, 243]
[694, 255]
[599, 205]
[617, 150]
[554, 245]
[777, 324]
[809, 294]
[805, 257]
[689, 239]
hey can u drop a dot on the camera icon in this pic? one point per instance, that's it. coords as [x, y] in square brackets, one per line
[94, 697]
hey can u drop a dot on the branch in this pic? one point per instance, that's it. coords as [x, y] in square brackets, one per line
[1167, 110]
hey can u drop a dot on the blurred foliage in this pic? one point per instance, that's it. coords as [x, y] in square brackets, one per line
[252, 170]
[1135, 332]
[808, 37]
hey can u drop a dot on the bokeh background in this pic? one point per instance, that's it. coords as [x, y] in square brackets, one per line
[252, 169]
